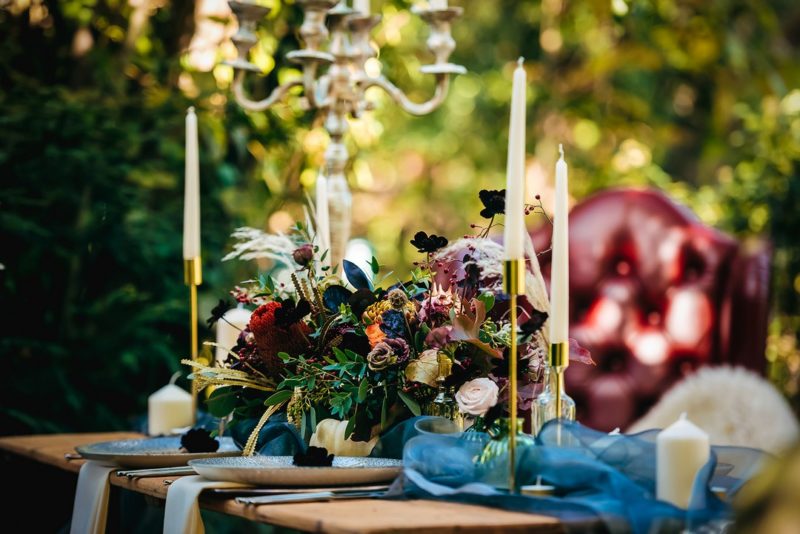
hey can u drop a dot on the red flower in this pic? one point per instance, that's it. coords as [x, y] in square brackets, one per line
[272, 339]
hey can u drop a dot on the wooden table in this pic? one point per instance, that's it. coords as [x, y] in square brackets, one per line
[345, 517]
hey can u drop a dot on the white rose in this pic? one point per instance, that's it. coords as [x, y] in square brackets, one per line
[477, 396]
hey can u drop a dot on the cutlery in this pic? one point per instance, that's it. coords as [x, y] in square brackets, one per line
[309, 497]
[156, 472]
[247, 492]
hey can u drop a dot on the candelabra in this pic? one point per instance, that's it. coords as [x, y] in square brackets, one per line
[334, 81]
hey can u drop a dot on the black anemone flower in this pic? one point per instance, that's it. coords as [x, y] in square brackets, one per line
[494, 202]
[218, 311]
[428, 243]
[534, 323]
[199, 440]
[289, 313]
[313, 457]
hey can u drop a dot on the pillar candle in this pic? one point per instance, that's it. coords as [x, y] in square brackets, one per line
[169, 407]
[323, 229]
[559, 277]
[228, 329]
[438, 4]
[681, 450]
[362, 6]
[514, 231]
[191, 201]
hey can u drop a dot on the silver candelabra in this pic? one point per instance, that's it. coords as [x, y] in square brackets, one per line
[334, 81]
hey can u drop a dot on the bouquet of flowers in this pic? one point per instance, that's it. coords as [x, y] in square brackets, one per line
[367, 350]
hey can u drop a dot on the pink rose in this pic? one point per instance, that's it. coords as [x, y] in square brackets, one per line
[477, 396]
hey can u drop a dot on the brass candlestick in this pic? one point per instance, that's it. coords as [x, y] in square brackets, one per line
[193, 277]
[559, 361]
[514, 285]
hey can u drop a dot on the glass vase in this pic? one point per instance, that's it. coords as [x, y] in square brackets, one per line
[544, 406]
[493, 460]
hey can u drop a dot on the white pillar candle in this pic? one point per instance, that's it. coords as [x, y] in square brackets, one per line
[438, 4]
[169, 407]
[362, 6]
[191, 200]
[682, 449]
[323, 229]
[559, 272]
[228, 329]
[514, 231]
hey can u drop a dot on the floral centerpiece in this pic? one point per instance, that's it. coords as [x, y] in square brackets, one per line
[365, 349]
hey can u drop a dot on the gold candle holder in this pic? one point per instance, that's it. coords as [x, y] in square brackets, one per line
[559, 361]
[193, 277]
[513, 285]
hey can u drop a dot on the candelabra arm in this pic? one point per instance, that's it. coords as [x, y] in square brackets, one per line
[397, 94]
[260, 105]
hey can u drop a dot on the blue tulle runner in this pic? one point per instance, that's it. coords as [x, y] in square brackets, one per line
[602, 481]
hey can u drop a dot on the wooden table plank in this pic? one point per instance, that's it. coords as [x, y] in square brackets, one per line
[367, 516]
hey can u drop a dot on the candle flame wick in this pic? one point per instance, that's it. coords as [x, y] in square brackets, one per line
[190, 111]
[520, 61]
[561, 150]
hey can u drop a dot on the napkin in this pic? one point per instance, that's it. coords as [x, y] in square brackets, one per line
[91, 499]
[182, 512]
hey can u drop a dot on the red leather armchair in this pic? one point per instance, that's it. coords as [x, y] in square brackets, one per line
[655, 294]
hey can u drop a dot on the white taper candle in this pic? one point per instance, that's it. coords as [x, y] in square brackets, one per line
[191, 200]
[362, 6]
[514, 231]
[559, 274]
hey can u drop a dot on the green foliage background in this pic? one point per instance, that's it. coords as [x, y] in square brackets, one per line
[698, 98]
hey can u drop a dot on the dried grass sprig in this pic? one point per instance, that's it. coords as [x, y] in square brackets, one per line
[250, 445]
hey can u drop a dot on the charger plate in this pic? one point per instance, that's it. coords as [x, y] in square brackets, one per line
[151, 452]
[281, 471]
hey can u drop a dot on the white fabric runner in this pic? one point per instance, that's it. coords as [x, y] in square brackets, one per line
[182, 512]
[90, 510]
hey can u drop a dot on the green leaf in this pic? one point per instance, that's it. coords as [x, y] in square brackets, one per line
[312, 381]
[375, 265]
[351, 425]
[313, 414]
[362, 390]
[341, 357]
[488, 301]
[384, 414]
[278, 397]
[222, 401]
[412, 404]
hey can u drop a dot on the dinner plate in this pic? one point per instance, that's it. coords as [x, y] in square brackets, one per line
[151, 452]
[281, 471]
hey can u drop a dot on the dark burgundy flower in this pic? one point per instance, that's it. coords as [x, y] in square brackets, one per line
[494, 202]
[303, 255]
[428, 243]
[290, 313]
[400, 348]
[218, 311]
[534, 323]
[199, 440]
[314, 457]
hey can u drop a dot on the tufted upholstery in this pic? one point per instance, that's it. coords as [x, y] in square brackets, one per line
[654, 294]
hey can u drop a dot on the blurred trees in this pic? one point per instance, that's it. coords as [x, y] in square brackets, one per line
[698, 98]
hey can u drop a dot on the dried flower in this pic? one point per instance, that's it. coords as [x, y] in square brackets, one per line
[398, 299]
[393, 323]
[428, 243]
[218, 311]
[272, 338]
[494, 202]
[303, 255]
